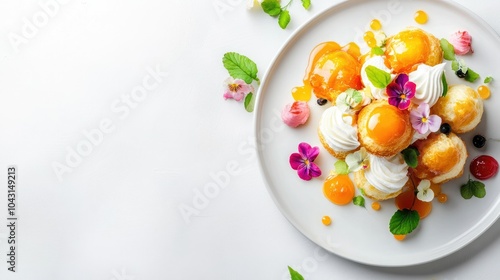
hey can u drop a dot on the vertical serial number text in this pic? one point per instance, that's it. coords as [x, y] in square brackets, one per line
[11, 218]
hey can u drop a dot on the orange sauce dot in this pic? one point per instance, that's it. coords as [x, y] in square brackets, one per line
[386, 124]
[371, 42]
[375, 24]
[442, 198]
[339, 189]
[369, 38]
[484, 91]
[376, 206]
[421, 17]
[407, 198]
[301, 93]
[400, 237]
[368, 35]
[326, 220]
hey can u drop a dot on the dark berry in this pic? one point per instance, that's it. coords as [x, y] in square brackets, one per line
[460, 73]
[445, 128]
[478, 141]
[321, 101]
[484, 167]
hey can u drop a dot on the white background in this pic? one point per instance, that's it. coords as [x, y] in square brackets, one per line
[113, 213]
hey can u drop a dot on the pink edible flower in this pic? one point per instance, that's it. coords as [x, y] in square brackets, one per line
[303, 162]
[461, 41]
[401, 91]
[295, 114]
[236, 89]
[422, 122]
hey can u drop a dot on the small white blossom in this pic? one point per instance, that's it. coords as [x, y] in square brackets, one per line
[253, 4]
[357, 160]
[425, 193]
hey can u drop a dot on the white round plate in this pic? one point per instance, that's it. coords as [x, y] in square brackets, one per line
[360, 234]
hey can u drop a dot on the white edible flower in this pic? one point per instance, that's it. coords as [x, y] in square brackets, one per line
[357, 160]
[349, 100]
[253, 4]
[425, 193]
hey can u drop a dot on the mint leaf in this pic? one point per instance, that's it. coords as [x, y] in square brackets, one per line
[249, 102]
[359, 201]
[306, 4]
[377, 51]
[294, 274]
[448, 49]
[410, 155]
[404, 221]
[478, 189]
[471, 75]
[284, 19]
[271, 7]
[488, 80]
[445, 85]
[240, 67]
[341, 167]
[473, 188]
[466, 190]
[379, 78]
[356, 95]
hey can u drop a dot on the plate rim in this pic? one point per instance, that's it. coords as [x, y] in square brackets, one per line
[462, 240]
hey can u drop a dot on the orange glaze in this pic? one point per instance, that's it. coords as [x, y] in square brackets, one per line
[407, 49]
[331, 70]
[339, 189]
[376, 206]
[386, 124]
[375, 24]
[370, 40]
[326, 220]
[421, 17]
[436, 188]
[484, 91]
[408, 198]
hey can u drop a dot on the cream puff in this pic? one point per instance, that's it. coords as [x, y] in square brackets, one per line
[384, 178]
[383, 129]
[441, 157]
[462, 108]
[338, 132]
[411, 47]
[335, 72]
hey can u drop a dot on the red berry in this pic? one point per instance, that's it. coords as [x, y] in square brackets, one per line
[484, 167]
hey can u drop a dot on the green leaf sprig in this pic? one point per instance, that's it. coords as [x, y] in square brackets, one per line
[404, 221]
[488, 80]
[410, 155]
[294, 274]
[473, 188]
[379, 78]
[457, 65]
[241, 67]
[445, 85]
[274, 9]
[359, 201]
